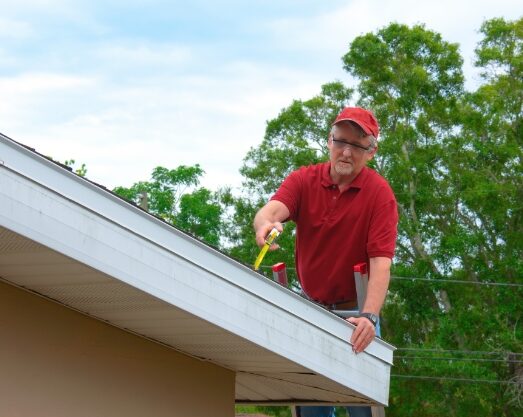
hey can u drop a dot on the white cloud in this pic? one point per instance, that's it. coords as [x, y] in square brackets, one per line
[7, 59]
[329, 34]
[32, 101]
[14, 29]
[122, 131]
[25, 5]
[31, 18]
[125, 54]
[36, 83]
[140, 104]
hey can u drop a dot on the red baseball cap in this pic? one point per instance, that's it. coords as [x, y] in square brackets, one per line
[363, 118]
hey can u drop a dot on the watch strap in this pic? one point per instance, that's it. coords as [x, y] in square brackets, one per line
[373, 318]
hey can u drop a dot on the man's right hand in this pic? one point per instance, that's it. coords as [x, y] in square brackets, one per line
[269, 216]
[263, 231]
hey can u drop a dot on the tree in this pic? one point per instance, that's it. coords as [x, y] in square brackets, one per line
[298, 136]
[167, 194]
[486, 171]
[165, 189]
[200, 214]
[448, 230]
[454, 161]
[412, 79]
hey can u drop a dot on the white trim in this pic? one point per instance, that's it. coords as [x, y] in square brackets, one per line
[70, 215]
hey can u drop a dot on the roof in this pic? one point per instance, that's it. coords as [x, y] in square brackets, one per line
[75, 243]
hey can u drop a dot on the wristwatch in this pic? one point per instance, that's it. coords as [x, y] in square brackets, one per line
[373, 318]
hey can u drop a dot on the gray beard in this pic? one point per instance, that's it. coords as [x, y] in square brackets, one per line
[343, 169]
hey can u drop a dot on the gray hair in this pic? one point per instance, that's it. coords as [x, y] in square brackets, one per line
[359, 131]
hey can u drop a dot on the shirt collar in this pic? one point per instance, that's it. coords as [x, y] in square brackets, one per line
[358, 182]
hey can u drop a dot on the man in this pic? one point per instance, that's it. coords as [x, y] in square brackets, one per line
[345, 214]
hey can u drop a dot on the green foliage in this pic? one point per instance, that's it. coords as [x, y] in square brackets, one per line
[267, 410]
[453, 159]
[412, 79]
[167, 196]
[297, 137]
[200, 215]
[165, 189]
[81, 170]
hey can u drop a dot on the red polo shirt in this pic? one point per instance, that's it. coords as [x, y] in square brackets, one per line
[336, 231]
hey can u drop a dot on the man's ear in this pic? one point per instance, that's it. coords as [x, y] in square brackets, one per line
[372, 153]
[329, 142]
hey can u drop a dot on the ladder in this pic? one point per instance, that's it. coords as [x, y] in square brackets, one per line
[361, 278]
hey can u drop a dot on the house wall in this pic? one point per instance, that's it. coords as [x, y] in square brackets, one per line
[57, 362]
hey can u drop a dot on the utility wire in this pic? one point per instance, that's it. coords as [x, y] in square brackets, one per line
[445, 378]
[437, 280]
[467, 352]
[457, 281]
[458, 359]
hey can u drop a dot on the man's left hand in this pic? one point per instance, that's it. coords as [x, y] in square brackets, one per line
[363, 334]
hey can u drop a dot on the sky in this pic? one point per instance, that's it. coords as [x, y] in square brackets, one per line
[125, 86]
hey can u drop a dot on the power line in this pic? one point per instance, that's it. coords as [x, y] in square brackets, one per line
[466, 352]
[458, 359]
[437, 280]
[457, 281]
[445, 378]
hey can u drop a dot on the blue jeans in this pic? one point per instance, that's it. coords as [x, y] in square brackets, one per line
[328, 411]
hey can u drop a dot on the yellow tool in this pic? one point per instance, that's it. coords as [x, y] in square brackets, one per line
[271, 237]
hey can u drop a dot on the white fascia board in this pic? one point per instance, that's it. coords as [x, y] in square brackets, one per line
[135, 220]
[72, 216]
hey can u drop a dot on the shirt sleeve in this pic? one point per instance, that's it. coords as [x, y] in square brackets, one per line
[383, 230]
[289, 193]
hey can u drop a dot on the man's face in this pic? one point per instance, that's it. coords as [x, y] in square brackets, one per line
[347, 161]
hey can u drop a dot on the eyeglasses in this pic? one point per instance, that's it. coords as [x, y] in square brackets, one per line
[353, 147]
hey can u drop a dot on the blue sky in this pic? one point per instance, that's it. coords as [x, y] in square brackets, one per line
[125, 86]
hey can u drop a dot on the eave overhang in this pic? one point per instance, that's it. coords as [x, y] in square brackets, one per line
[75, 243]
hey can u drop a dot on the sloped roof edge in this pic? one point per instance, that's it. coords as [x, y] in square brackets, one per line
[25, 162]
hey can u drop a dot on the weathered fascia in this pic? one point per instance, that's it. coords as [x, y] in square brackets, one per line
[58, 209]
